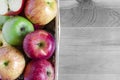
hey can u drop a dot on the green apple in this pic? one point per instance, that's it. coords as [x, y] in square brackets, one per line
[3, 19]
[3, 43]
[15, 29]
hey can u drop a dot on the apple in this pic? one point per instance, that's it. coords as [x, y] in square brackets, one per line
[39, 70]
[3, 43]
[11, 7]
[15, 29]
[3, 19]
[12, 63]
[36, 27]
[40, 12]
[39, 45]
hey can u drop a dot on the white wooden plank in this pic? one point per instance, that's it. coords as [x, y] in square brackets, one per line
[91, 77]
[90, 42]
[89, 51]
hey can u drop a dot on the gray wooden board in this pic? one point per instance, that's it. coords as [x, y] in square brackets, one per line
[91, 49]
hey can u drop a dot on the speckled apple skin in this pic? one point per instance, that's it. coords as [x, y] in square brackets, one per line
[36, 70]
[16, 63]
[40, 12]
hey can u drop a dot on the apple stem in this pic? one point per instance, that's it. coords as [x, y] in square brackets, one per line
[6, 63]
[8, 5]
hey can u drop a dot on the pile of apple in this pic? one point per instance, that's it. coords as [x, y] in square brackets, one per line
[27, 41]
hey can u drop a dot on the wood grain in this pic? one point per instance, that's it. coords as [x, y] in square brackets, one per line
[89, 53]
[89, 43]
[90, 15]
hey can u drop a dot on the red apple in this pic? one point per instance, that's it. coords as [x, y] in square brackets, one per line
[39, 70]
[12, 63]
[11, 7]
[39, 45]
[36, 26]
[41, 11]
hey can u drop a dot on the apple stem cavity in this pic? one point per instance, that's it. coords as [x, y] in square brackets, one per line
[1, 44]
[6, 63]
[41, 44]
[48, 73]
[48, 2]
[22, 28]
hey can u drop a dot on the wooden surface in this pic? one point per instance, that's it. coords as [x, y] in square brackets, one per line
[90, 43]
